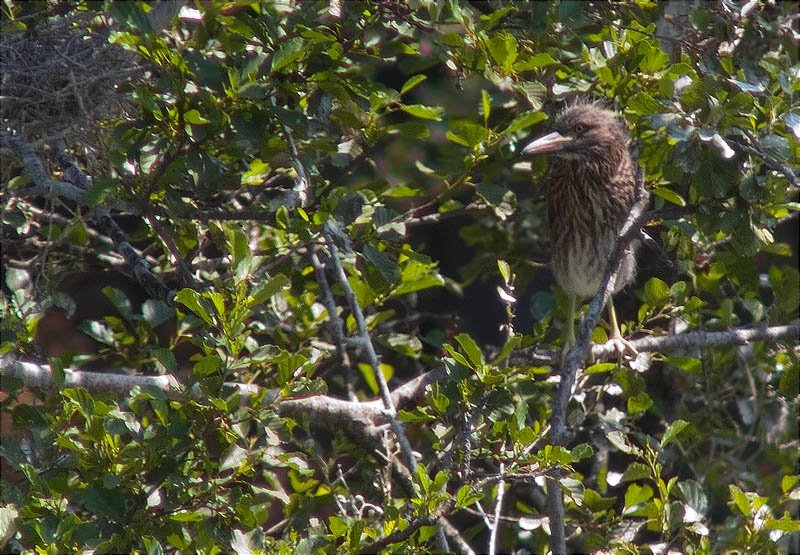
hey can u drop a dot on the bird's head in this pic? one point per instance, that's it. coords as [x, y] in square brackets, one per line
[580, 132]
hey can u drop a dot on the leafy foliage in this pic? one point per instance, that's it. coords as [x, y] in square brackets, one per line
[262, 128]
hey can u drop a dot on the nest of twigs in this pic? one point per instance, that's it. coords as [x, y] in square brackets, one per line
[61, 79]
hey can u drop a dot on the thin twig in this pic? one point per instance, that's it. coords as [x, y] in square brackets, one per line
[386, 396]
[302, 184]
[184, 271]
[498, 507]
[369, 349]
[336, 323]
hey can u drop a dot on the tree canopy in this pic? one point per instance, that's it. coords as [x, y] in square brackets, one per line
[275, 279]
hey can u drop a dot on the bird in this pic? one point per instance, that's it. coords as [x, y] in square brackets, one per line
[592, 186]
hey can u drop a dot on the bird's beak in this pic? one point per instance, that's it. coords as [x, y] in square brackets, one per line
[554, 142]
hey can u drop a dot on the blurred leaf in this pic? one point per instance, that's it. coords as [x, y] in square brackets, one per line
[267, 289]
[423, 112]
[523, 121]
[289, 52]
[672, 431]
[412, 82]
[775, 147]
[194, 117]
[656, 292]
[668, 195]
[639, 403]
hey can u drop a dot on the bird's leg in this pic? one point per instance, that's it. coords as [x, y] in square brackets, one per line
[569, 339]
[622, 345]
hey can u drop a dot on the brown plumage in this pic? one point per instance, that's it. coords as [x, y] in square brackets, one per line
[591, 187]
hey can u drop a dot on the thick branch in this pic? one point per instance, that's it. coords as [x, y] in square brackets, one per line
[39, 376]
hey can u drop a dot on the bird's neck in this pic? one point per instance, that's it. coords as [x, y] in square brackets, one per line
[592, 169]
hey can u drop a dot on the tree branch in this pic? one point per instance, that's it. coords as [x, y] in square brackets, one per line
[141, 269]
[630, 229]
[369, 348]
[76, 192]
[336, 322]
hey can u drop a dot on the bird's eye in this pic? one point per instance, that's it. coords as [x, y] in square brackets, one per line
[580, 128]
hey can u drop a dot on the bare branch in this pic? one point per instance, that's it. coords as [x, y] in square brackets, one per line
[372, 356]
[38, 376]
[336, 322]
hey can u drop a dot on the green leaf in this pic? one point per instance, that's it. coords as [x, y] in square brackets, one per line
[636, 495]
[669, 195]
[412, 129]
[467, 133]
[601, 367]
[471, 349]
[165, 359]
[672, 431]
[267, 289]
[120, 301]
[656, 292]
[740, 500]
[424, 112]
[653, 58]
[644, 104]
[416, 276]
[784, 524]
[402, 191]
[412, 82]
[233, 458]
[197, 515]
[636, 471]
[196, 303]
[639, 403]
[289, 52]
[387, 268]
[687, 364]
[194, 117]
[486, 106]
[536, 61]
[618, 440]
[427, 532]
[534, 91]
[207, 365]
[458, 357]
[503, 48]
[466, 497]
[775, 147]
[57, 370]
[788, 482]
[581, 451]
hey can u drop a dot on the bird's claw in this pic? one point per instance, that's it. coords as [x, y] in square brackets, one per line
[624, 348]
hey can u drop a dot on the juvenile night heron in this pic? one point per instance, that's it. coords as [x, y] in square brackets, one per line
[591, 188]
